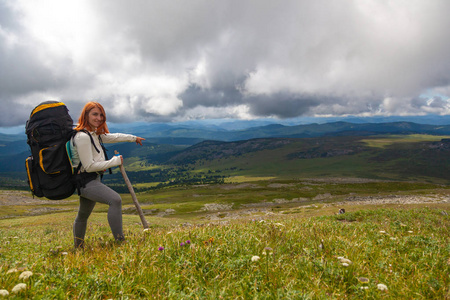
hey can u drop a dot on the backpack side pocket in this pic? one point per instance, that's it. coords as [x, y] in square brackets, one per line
[33, 179]
[53, 159]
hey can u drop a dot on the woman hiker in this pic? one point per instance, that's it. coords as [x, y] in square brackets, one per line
[86, 147]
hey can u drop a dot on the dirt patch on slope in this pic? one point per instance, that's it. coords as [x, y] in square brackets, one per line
[24, 198]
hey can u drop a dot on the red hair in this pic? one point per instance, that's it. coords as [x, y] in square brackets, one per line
[83, 121]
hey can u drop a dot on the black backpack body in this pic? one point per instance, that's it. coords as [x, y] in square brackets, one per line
[50, 172]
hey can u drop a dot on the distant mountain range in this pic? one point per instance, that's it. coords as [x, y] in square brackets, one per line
[193, 133]
[184, 144]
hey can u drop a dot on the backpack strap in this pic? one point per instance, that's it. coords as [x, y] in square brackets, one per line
[104, 151]
[92, 140]
[96, 149]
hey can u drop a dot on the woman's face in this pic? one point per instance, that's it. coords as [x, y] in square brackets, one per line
[95, 118]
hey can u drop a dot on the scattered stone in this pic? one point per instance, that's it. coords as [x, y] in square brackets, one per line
[216, 207]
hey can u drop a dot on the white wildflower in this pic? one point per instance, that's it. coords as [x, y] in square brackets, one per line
[25, 275]
[382, 287]
[255, 258]
[345, 261]
[18, 288]
[410, 231]
[13, 270]
[345, 264]
[382, 231]
[364, 288]
[64, 253]
[4, 293]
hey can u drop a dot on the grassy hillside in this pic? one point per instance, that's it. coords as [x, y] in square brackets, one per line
[269, 230]
[385, 157]
[394, 157]
[362, 254]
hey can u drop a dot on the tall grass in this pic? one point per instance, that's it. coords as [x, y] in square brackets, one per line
[327, 257]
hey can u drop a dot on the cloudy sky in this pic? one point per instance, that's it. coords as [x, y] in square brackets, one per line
[162, 61]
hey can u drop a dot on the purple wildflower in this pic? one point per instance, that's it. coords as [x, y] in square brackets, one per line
[181, 244]
[161, 248]
[188, 242]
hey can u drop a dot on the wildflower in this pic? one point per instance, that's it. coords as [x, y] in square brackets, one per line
[382, 287]
[25, 275]
[182, 244]
[345, 261]
[161, 248]
[321, 246]
[209, 241]
[4, 293]
[382, 231]
[188, 242]
[410, 231]
[18, 288]
[345, 264]
[13, 270]
[364, 288]
[64, 253]
[255, 258]
[267, 250]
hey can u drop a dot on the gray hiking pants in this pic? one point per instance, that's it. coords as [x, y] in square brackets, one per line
[94, 192]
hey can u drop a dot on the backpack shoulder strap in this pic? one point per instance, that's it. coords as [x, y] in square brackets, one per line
[104, 151]
[92, 139]
[93, 144]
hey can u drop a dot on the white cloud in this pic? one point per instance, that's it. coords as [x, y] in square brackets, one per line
[169, 60]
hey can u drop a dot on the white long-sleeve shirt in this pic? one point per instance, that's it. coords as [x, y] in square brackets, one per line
[92, 161]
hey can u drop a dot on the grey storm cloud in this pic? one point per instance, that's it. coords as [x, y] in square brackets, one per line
[292, 105]
[174, 60]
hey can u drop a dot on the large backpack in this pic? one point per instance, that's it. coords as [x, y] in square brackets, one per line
[50, 172]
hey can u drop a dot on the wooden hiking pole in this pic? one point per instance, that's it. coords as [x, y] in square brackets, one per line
[133, 194]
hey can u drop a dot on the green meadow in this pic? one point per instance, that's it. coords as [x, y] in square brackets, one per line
[270, 230]
[395, 253]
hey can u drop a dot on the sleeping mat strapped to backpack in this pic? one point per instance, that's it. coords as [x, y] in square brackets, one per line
[50, 172]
